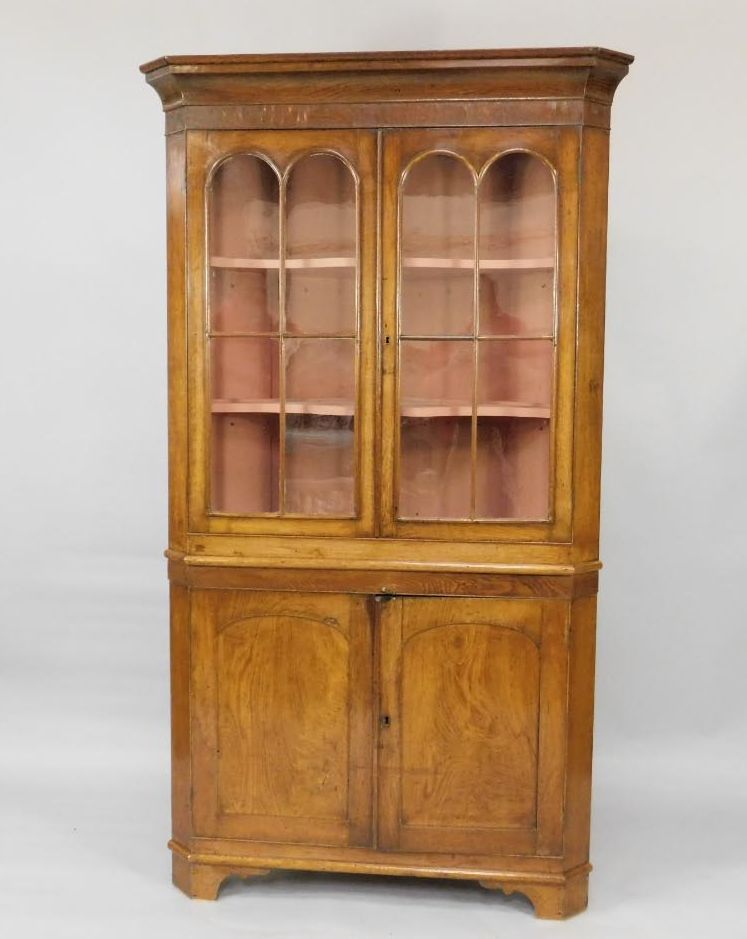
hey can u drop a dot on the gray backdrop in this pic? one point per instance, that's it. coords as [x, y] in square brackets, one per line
[83, 664]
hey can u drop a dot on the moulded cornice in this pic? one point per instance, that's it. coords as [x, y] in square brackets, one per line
[586, 74]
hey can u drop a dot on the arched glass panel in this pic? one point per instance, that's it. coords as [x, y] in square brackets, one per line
[283, 337]
[476, 345]
[320, 369]
[244, 282]
[436, 307]
[515, 362]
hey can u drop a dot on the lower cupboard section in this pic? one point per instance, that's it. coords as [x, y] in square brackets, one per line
[433, 726]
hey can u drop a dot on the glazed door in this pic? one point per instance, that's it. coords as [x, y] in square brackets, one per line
[472, 725]
[480, 231]
[282, 286]
[281, 720]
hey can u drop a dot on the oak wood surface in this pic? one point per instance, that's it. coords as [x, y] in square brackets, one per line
[281, 716]
[403, 583]
[474, 692]
[378, 694]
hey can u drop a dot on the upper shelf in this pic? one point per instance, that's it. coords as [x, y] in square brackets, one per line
[274, 263]
[489, 264]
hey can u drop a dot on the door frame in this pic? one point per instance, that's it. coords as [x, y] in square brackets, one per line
[205, 150]
[559, 147]
[348, 614]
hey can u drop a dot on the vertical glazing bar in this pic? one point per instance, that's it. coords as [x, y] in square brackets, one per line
[475, 347]
[281, 337]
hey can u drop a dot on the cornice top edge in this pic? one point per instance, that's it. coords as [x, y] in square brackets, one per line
[385, 61]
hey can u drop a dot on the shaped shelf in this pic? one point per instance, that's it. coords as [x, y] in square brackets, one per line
[274, 263]
[490, 264]
[333, 408]
[423, 409]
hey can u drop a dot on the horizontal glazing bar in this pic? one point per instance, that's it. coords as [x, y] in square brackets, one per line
[515, 337]
[286, 335]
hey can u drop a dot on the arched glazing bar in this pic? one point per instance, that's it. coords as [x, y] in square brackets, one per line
[283, 288]
[477, 322]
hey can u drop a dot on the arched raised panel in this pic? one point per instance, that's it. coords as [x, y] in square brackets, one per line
[282, 703]
[282, 716]
[469, 758]
[470, 718]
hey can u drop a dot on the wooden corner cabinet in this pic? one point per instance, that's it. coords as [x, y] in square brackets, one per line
[386, 316]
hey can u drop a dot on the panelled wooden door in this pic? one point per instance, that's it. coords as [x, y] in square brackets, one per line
[472, 725]
[282, 716]
[480, 230]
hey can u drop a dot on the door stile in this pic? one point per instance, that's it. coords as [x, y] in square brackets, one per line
[389, 643]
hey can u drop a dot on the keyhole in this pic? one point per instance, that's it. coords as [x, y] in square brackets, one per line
[385, 720]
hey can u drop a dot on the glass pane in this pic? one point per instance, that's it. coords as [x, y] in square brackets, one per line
[517, 211]
[517, 303]
[437, 302]
[244, 370]
[320, 205]
[243, 231]
[438, 210]
[283, 444]
[435, 468]
[515, 374]
[438, 248]
[436, 386]
[320, 370]
[320, 301]
[514, 384]
[244, 214]
[319, 464]
[513, 468]
[243, 300]
[244, 477]
[436, 378]
[320, 421]
[321, 247]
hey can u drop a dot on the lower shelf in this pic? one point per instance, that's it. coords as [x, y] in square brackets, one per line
[340, 408]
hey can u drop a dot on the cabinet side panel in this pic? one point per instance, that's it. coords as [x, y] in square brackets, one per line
[580, 730]
[181, 782]
[177, 339]
[593, 172]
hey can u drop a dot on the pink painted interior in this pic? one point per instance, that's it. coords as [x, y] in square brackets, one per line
[499, 389]
[475, 358]
[283, 407]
